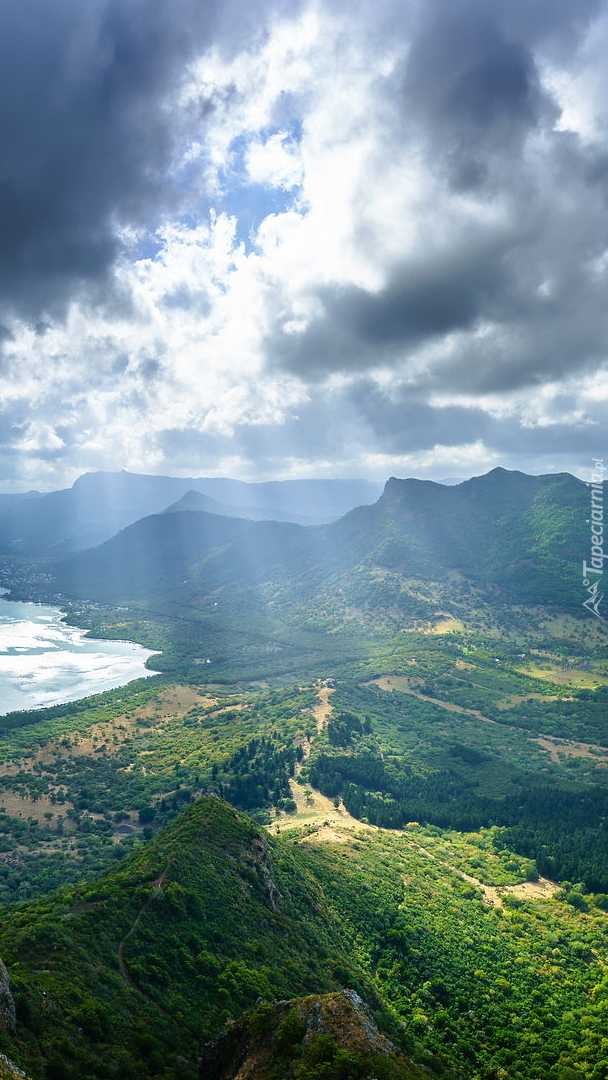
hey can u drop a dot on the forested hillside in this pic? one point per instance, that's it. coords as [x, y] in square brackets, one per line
[138, 971]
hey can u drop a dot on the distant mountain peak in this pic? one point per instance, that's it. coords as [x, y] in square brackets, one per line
[395, 484]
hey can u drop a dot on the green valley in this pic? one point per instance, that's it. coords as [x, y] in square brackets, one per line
[374, 759]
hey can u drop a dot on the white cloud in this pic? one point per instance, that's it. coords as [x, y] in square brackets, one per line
[580, 86]
[470, 458]
[38, 436]
[320, 197]
[275, 161]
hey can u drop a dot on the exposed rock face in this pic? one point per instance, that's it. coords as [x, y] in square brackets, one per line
[8, 1016]
[269, 1041]
[8, 1071]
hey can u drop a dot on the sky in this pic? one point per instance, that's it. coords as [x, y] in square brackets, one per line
[286, 239]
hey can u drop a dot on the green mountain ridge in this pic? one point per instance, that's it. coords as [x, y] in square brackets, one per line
[525, 534]
[207, 917]
[137, 973]
[133, 974]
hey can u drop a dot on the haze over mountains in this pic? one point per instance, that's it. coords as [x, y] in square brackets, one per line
[524, 534]
[98, 505]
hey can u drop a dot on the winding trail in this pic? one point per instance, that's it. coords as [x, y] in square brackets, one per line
[313, 808]
[124, 971]
[323, 710]
[401, 683]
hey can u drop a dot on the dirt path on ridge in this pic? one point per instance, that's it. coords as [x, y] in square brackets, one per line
[334, 824]
[124, 971]
[402, 684]
[323, 709]
[493, 895]
[313, 808]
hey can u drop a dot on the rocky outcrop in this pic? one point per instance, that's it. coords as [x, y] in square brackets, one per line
[8, 1016]
[275, 1037]
[8, 1071]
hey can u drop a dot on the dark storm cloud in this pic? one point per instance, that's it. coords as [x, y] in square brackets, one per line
[556, 24]
[421, 300]
[468, 102]
[402, 423]
[475, 280]
[86, 131]
[537, 334]
[82, 138]
[471, 83]
[473, 90]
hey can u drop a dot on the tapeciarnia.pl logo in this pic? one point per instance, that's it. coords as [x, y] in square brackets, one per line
[594, 583]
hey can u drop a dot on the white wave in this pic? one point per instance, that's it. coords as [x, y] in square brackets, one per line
[45, 662]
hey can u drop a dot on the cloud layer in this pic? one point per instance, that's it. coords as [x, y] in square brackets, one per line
[303, 239]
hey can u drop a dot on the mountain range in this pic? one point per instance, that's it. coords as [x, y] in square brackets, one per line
[520, 536]
[99, 504]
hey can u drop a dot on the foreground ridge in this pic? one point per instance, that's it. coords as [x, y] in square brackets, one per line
[287, 1039]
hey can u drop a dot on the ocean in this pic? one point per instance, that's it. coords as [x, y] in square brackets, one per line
[44, 662]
